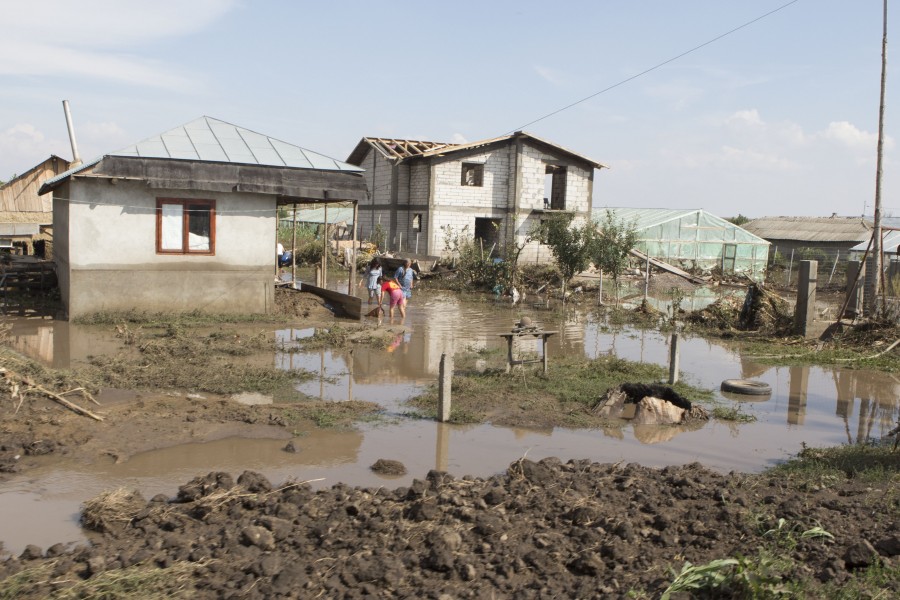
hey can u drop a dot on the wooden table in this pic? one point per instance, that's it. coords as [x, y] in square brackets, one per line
[510, 359]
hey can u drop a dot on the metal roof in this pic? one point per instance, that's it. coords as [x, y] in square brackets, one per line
[889, 243]
[212, 140]
[811, 229]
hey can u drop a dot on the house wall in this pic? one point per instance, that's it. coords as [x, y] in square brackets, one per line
[377, 208]
[457, 206]
[112, 262]
[59, 200]
[579, 189]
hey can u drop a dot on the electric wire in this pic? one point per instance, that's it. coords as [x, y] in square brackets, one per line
[654, 67]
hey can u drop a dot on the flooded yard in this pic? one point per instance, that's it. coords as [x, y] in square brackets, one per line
[811, 405]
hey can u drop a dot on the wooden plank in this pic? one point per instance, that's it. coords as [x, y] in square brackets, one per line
[670, 268]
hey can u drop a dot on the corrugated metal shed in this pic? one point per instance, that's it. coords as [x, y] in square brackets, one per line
[813, 230]
[212, 140]
[694, 239]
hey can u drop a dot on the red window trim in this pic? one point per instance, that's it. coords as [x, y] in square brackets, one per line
[184, 202]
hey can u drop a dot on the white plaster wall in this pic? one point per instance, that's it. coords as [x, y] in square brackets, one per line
[115, 225]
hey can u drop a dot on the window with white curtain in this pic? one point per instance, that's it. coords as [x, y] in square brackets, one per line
[185, 226]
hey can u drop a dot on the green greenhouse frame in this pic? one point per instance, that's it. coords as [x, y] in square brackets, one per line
[694, 240]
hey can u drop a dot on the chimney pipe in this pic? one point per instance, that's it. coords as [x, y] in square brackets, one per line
[76, 160]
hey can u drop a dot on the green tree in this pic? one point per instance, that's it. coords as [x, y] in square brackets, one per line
[738, 220]
[573, 246]
[614, 240]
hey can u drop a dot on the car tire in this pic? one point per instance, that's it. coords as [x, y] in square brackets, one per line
[747, 387]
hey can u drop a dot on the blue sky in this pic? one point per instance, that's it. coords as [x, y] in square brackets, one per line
[779, 118]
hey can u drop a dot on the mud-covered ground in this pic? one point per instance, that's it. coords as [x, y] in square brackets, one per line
[541, 530]
[830, 529]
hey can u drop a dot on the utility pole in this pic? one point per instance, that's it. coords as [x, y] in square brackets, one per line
[873, 275]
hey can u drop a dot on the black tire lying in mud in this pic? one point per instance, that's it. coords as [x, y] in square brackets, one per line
[748, 387]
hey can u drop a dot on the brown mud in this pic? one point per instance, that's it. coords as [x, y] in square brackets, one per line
[541, 530]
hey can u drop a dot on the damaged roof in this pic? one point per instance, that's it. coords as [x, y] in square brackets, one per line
[400, 150]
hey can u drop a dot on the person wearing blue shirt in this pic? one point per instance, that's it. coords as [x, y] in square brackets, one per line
[404, 277]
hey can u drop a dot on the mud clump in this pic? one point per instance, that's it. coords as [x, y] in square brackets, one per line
[542, 529]
[391, 468]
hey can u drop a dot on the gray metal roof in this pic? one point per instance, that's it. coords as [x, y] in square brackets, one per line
[811, 229]
[212, 140]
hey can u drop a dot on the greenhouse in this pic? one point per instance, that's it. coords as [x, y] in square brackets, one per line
[694, 240]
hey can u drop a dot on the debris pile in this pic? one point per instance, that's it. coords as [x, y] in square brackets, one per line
[653, 404]
[761, 310]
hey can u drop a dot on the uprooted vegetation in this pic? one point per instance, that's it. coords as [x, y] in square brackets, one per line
[760, 311]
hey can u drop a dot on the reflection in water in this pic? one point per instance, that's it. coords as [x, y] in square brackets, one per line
[797, 395]
[816, 405]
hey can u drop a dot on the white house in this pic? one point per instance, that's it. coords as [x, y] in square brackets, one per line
[497, 188]
[185, 220]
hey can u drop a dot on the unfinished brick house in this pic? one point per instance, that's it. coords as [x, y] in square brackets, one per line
[496, 188]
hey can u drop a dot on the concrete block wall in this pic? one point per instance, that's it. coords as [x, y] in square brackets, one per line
[448, 190]
[534, 170]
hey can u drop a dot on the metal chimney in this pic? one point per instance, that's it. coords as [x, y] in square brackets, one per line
[76, 160]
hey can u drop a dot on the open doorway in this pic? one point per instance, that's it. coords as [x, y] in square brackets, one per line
[487, 233]
[555, 188]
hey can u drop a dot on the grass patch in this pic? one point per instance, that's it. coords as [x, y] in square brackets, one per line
[564, 397]
[328, 415]
[194, 318]
[733, 413]
[793, 352]
[139, 581]
[872, 463]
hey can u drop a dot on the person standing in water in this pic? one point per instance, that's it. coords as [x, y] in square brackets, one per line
[404, 278]
[394, 293]
[372, 274]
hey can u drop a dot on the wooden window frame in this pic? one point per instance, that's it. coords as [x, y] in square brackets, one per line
[185, 247]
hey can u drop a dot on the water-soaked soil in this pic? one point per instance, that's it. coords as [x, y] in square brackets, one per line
[553, 530]
[545, 529]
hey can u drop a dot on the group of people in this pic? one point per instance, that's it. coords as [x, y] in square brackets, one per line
[397, 288]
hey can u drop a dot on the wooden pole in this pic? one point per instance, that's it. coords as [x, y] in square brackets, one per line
[294, 248]
[325, 249]
[353, 249]
[873, 278]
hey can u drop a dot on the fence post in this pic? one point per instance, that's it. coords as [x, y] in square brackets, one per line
[445, 380]
[673, 360]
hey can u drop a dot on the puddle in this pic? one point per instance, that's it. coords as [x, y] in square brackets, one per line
[812, 405]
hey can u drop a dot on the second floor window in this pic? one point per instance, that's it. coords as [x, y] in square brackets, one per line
[472, 174]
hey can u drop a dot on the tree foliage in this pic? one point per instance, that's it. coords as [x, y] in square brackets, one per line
[614, 241]
[738, 220]
[573, 246]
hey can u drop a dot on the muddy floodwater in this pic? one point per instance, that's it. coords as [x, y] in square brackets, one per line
[812, 405]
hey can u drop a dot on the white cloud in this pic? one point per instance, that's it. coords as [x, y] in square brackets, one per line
[852, 137]
[551, 75]
[745, 117]
[97, 38]
[29, 146]
[458, 138]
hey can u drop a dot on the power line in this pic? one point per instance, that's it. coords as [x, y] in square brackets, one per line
[653, 68]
